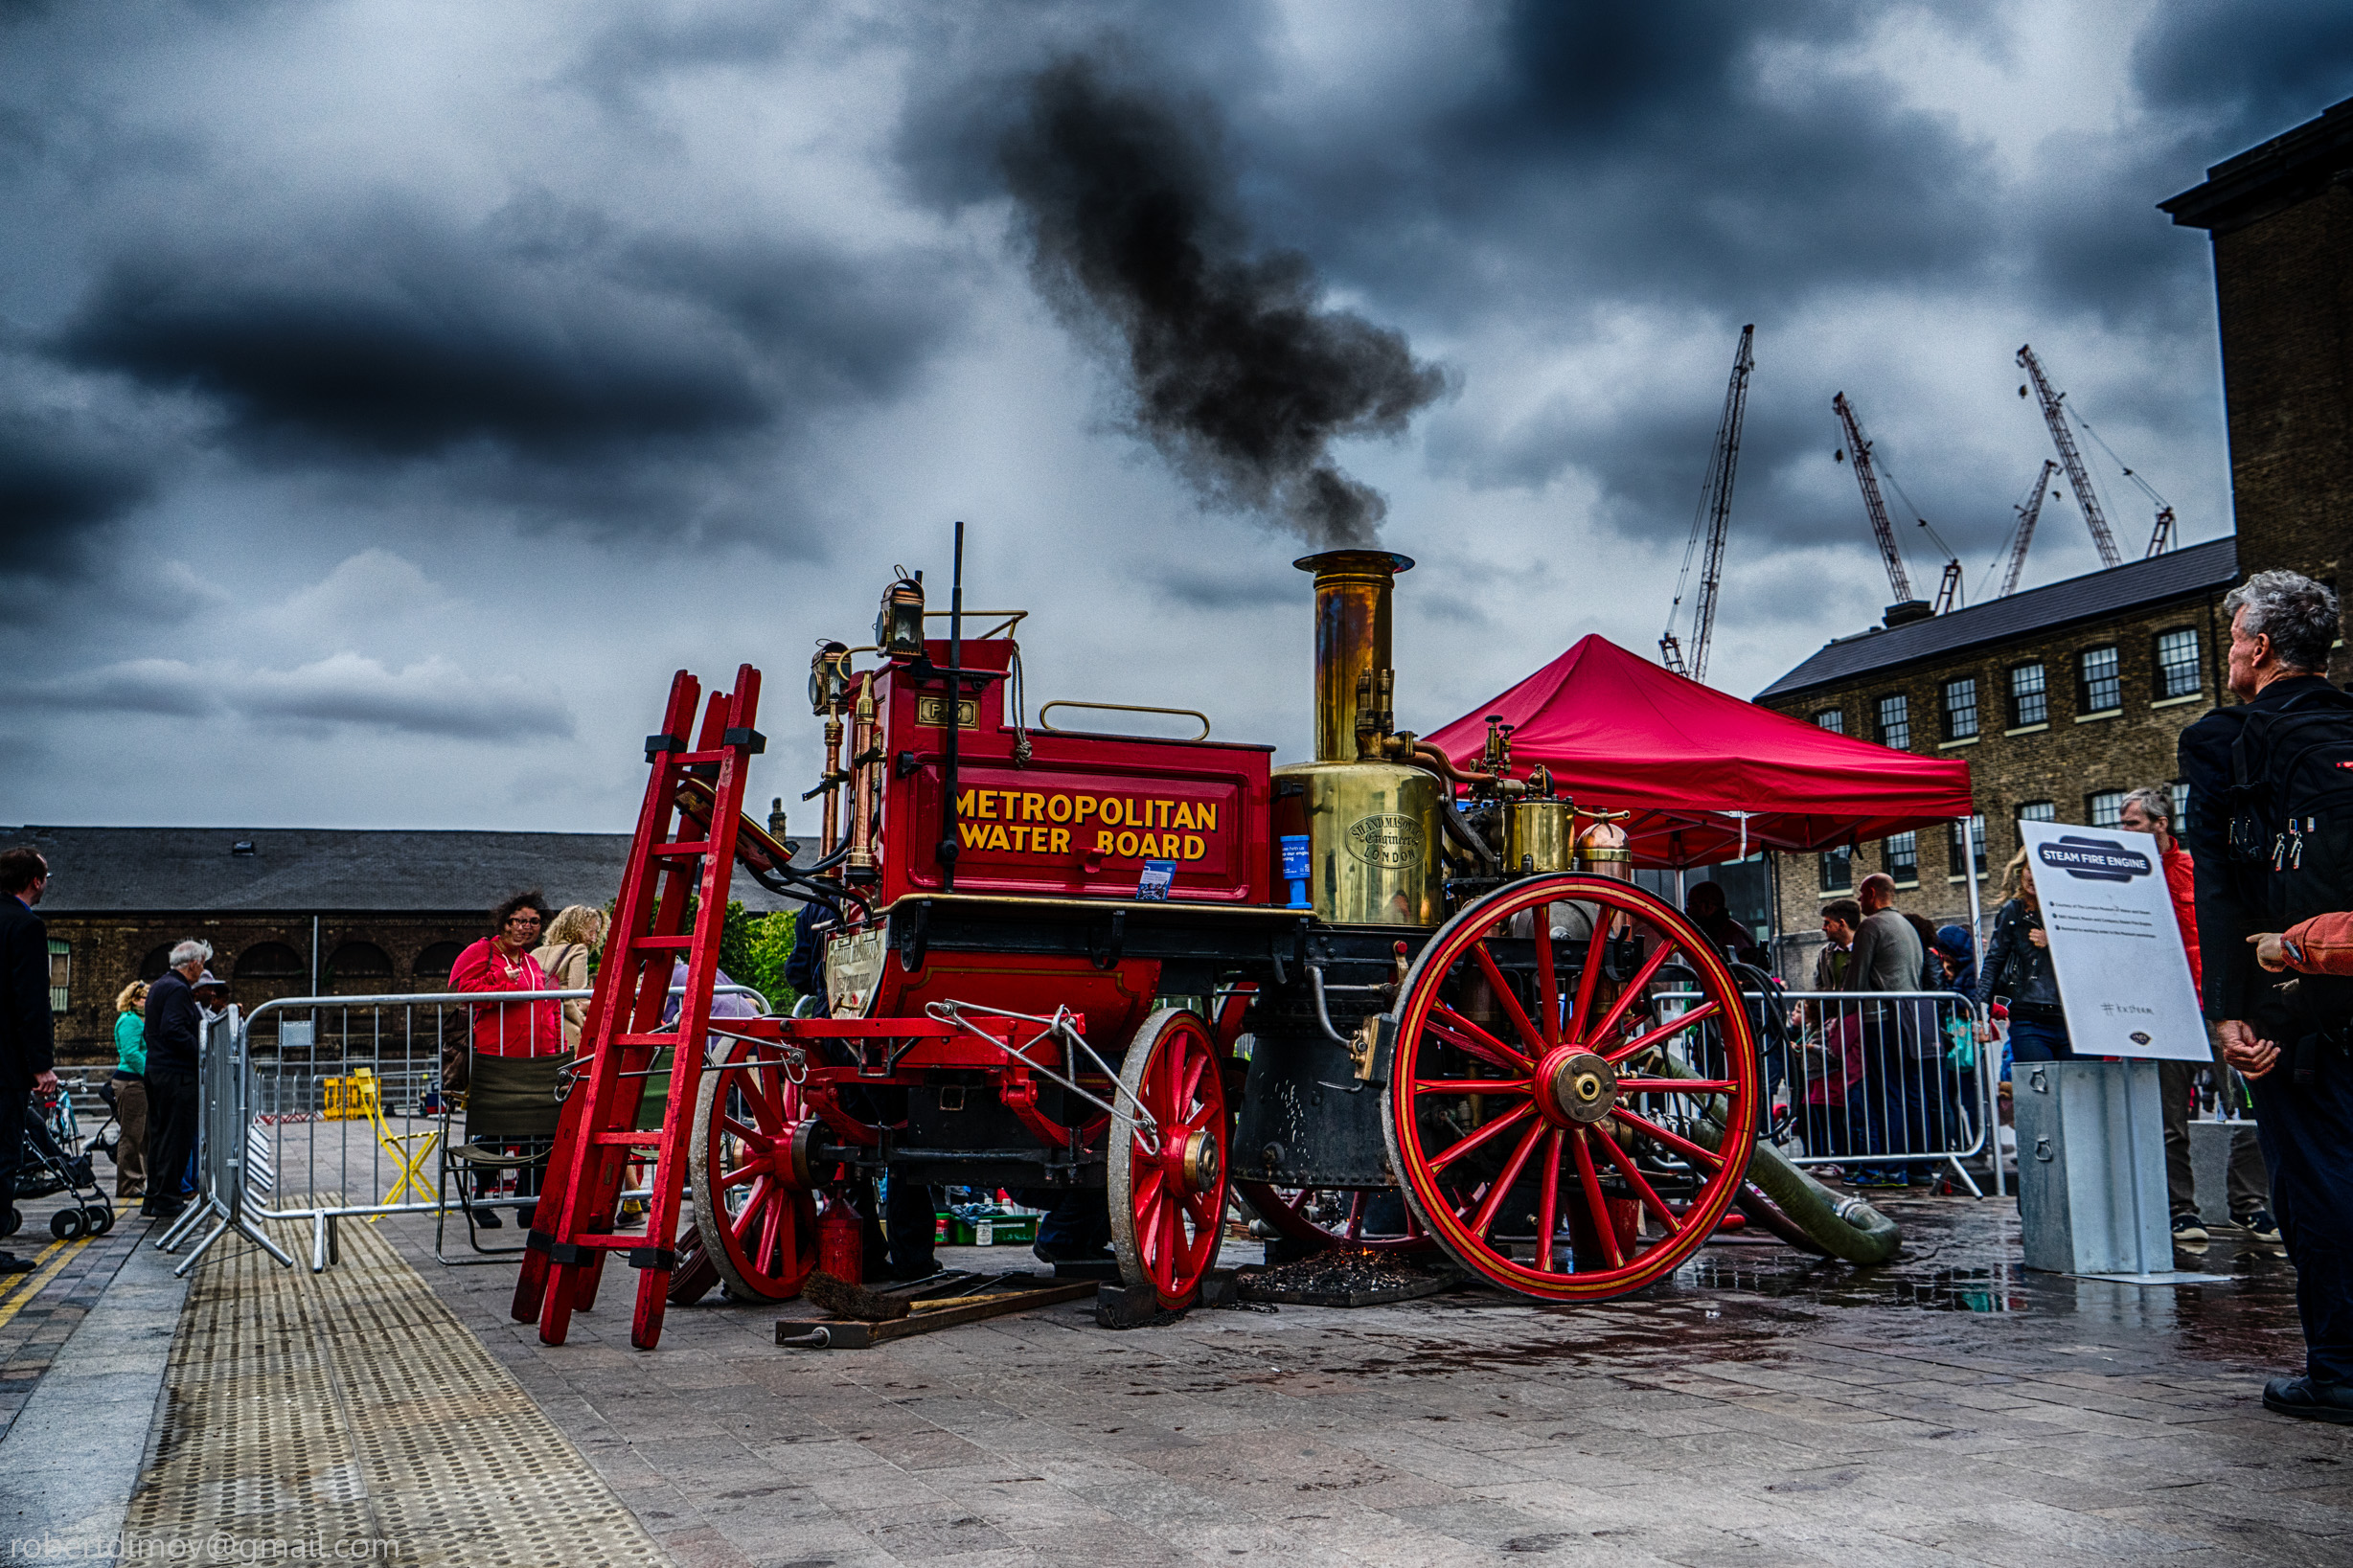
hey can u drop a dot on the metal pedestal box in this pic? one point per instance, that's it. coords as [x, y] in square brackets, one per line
[2092, 1167]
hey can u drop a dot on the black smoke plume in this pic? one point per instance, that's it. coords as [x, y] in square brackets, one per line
[1241, 381]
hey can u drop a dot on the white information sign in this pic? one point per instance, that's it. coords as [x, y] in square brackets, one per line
[2114, 942]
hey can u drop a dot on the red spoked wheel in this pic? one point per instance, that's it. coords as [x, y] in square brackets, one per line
[1551, 1115]
[1337, 1217]
[1167, 1178]
[748, 1168]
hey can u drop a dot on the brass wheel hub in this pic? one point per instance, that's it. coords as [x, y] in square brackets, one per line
[1197, 1164]
[1579, 1088]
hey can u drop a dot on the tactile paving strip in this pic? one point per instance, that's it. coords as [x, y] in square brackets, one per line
[352, 1406]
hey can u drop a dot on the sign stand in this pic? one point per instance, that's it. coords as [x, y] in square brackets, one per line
[2091, 1173]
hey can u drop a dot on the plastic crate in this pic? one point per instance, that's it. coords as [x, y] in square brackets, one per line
[990, 1230]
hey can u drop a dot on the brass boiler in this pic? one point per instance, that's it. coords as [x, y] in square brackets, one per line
[1539, 836]
[1373, 825]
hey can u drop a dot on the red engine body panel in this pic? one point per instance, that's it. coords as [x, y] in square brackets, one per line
[1080, 819]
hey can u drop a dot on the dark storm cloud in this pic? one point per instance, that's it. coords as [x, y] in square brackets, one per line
[1665, 151]
[542, 353]
[433, 697]
[60, 484]
[2264, 66]
[1241, 378]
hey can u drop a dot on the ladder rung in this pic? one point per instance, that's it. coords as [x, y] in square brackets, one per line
[670, 944]
[613, 1240]
[630, 1140]
[659, 1042]
[682, 848]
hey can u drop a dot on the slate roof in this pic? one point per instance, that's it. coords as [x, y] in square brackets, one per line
[2194, 569]
[305, 870]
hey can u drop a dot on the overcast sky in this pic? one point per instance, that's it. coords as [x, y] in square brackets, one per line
[393, 394]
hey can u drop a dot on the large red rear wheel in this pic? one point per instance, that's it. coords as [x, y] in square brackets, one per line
[1539, 1140]
[748, 1165]
[1167, 1174]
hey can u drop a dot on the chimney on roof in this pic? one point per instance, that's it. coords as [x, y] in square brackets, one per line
[1905, 611]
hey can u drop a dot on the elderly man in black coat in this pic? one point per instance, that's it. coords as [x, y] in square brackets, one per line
[175, 1029]
[27, 1031]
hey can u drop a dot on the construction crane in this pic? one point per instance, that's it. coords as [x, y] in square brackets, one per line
[2027, 515]
[2162, 540]
[1872, 502]
[1707, 525]
[2079, 479]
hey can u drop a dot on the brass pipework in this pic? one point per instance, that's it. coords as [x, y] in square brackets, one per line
[864, 754]
[833, 782]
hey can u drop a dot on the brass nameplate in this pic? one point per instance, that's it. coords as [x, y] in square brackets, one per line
[928, 711]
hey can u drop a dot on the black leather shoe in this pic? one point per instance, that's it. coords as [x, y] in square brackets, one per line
[11, 1263]
[161, 1209]
[2311, 1400]
[487, 1220]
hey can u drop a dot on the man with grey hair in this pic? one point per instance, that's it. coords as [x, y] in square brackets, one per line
[174, 1027]
[2246, 790]
[2150, 811]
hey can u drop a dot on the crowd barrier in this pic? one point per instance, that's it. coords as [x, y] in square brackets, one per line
[318, 1109]
[1876, 1082]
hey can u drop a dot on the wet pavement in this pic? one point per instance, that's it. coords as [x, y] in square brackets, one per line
[1760, 1408]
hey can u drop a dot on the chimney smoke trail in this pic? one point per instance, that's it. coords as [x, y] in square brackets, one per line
[1240, 378]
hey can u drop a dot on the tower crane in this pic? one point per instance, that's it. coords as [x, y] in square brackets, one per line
[1872, 502]
[2079, 479]
[1707, 525]
[2027, 515]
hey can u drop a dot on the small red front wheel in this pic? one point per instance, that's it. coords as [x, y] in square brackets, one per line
[1529, 1116]
[747, 1168]
[1167, 1160]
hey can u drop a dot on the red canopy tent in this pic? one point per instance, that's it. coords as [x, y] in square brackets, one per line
[1704, 774]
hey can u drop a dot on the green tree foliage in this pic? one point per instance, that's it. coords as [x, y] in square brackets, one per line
[753, 948]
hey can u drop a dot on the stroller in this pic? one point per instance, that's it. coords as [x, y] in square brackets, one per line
[54, 1161]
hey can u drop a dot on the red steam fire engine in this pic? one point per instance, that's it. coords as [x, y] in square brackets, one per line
[1382, 1000]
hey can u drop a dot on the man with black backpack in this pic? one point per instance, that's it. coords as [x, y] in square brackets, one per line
[2270, 831]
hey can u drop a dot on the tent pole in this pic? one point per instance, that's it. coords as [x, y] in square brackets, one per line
[1989, 1076]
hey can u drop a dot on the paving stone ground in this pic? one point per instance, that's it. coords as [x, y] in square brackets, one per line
[1760, 1409]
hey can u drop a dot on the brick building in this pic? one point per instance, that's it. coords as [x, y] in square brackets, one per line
[2282, 218]
[2062, 698]
[379, 912]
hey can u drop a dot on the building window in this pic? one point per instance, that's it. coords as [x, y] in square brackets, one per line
[60, 976]
[2101, 690]
[271, 961]
[2029, 701]
[437, 961]
[2177, 664]
[1961, 708]
[2105, 810]
[2180, 807]
[1833, 720]
[1839, 871]
[2038, 812]
[357, 961]
[1901, 856]
[1952, 845]
[1895, 721]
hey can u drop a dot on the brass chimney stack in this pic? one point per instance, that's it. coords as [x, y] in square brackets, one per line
[1351, 639]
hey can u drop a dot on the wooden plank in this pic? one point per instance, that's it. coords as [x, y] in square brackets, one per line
[847, 1334]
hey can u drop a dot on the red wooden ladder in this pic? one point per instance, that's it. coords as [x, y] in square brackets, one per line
[681, 861]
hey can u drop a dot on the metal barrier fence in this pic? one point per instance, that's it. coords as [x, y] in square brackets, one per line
[1875, 1082]
[323, 1108]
